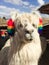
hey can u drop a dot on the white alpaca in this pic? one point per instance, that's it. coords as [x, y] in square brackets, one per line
[26, 45]
[25, 48]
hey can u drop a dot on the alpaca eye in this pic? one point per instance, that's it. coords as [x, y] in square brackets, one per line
[34, 25]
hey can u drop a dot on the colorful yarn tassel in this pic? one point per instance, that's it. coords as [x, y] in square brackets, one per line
[3, 34]
[40, 27]
[10, 27]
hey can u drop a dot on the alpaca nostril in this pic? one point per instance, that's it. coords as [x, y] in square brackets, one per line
[32, 31]
[27, 31]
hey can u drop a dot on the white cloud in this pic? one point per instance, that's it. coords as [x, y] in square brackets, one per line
[5, 11]
[17, 2]
[32, 7]
[14, 1]
[41, 2]
[2, 14]
[25, 4]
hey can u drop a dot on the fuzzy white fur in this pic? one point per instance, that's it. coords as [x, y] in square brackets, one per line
[21, 51]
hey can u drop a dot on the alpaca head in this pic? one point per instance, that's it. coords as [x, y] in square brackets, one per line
[26, 26]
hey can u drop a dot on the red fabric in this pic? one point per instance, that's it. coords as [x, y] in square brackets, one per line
[40, 21]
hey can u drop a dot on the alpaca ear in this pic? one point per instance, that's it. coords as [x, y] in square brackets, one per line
[10, 23]
[10, 27]
[14, 15]
[38, 21]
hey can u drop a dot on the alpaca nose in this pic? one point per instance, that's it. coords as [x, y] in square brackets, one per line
[29, 31]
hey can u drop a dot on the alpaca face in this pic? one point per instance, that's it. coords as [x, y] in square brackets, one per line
[29, 28]
[25, 27]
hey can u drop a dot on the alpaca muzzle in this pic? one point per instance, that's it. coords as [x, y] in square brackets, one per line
[28, 35]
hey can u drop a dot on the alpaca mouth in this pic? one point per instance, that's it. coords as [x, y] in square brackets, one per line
[28, 37]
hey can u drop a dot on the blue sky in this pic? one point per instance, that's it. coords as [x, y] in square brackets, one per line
[6, 6]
